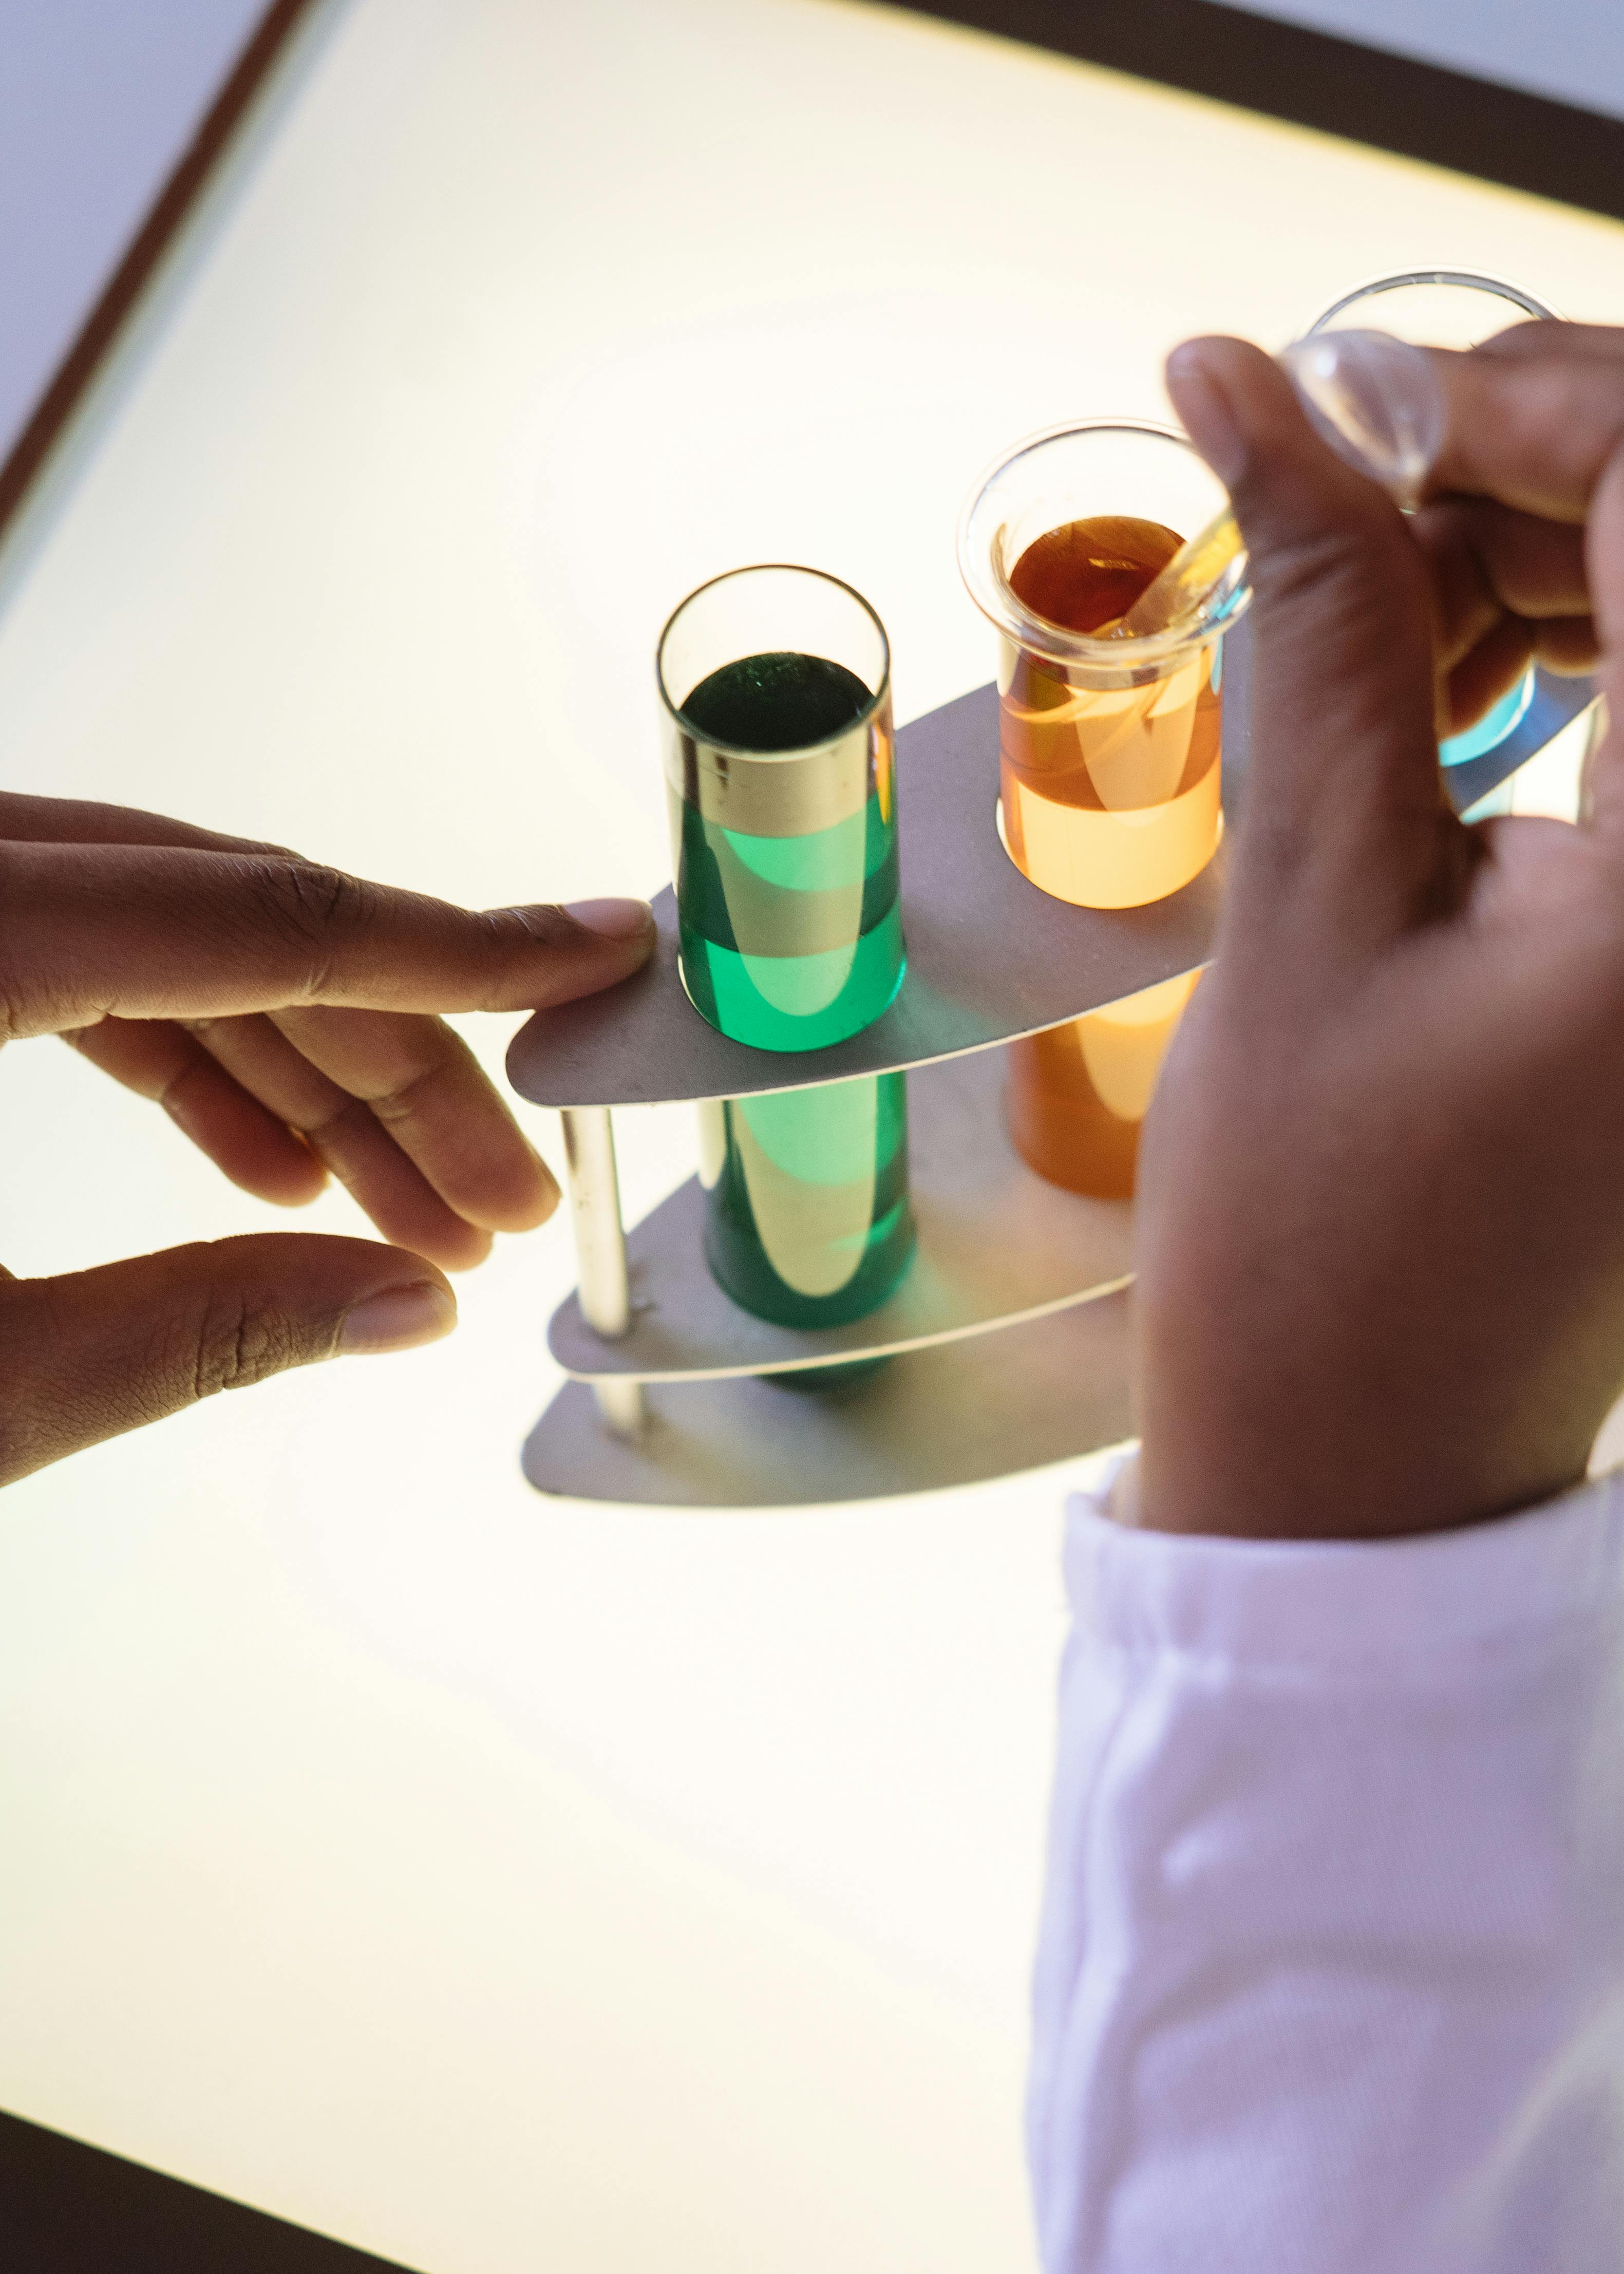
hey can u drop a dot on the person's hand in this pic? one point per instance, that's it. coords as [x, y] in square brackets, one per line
[1382, 1215]
[283, 1015]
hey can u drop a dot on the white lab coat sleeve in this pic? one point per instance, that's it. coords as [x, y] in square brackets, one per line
[1330, 1976]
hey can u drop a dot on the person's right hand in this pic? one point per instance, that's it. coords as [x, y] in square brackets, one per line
[1381, 1225]
[284, 1014]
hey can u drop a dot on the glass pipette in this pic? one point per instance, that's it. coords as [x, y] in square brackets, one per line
[1374, 399]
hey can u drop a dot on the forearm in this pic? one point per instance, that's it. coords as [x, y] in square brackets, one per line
[1333, 1946]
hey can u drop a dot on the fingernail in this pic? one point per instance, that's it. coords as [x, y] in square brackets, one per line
[612, 919]
[1375, 400]
[396, 1320]
[1204, 408]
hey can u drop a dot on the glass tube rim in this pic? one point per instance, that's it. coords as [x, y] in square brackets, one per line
[684, 725]
[994, 595]
[1469, 280]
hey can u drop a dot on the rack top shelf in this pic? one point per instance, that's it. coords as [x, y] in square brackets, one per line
[989, 956]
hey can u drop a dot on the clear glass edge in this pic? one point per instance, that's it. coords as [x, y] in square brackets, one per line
[684, 725]
[1004, 611]
[1472, 280]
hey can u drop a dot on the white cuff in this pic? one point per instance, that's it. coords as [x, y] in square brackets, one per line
[1381, 1608]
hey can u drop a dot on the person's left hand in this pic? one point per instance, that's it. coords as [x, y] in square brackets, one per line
[285, 1017]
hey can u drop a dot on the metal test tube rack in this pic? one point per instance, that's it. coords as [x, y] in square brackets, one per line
[1008, 1335]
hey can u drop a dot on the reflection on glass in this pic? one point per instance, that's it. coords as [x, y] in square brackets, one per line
[1110, 794]
[781, 788]
[806, 1215]
[1077, 1096]
[1488, 733]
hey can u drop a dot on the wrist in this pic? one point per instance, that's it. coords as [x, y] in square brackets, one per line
[1317, 1482]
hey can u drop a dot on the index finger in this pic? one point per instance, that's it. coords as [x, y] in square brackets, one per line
[171, 932]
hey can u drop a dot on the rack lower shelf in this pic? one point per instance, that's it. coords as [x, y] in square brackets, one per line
[996, 1246]
[961, 1413]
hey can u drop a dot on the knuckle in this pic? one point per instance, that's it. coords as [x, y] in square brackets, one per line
[66, 1383]
[311, 906]
[233, 1341]
[513, 930]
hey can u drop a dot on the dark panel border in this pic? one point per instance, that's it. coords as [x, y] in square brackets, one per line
[76, 368]
[1312, 79]
[67, 2209]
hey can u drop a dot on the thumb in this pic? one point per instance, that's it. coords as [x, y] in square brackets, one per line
[1343, 804]
[97, 1352]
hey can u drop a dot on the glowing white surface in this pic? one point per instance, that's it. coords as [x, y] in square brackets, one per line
[490, 1884]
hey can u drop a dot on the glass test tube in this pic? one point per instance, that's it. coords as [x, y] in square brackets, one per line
[1077, 1096]
[1446, 308]
[781, 790]
[807, 1219]
[1110, 750]
[782, 795]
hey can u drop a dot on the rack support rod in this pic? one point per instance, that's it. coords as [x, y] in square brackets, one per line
[600, 1252]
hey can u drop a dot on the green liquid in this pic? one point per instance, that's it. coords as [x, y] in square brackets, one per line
[787, 943]
[807, 1219]
[781, 701]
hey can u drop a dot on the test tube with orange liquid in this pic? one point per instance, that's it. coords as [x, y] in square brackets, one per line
[1110, 746]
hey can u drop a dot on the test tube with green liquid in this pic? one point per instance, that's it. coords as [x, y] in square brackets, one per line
[781, 788]
[782, 795]
[807, 1218]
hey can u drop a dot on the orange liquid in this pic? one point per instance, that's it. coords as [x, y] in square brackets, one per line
[1110, 794]
[1110, 800]
[1077, 1096]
